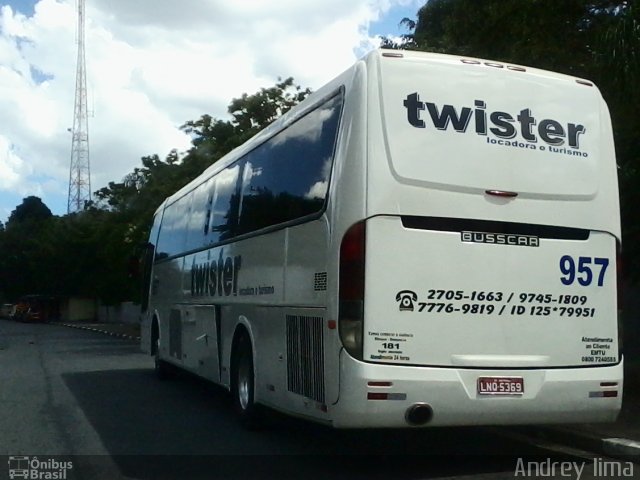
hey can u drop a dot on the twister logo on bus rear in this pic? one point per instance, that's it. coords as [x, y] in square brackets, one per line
[505, 127]
[216, 277]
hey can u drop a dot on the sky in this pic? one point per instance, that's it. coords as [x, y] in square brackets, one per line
[152, 65]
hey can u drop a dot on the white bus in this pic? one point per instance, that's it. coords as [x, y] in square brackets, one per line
[426, 240]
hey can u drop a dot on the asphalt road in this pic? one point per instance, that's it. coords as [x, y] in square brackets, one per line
[94, 400]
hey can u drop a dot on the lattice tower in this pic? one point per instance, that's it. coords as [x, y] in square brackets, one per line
[79, 173]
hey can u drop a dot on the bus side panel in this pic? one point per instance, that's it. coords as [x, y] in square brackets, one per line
[145, 331]
[167, 297]
[288, 358]
[287, 333]
[306, 284]
[200, 340]
[347, 203]
[258, 280]
[305, 275]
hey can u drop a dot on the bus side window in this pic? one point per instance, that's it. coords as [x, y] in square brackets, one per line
[287, 177]
[222, 218]
[207, 218]
[147, 261]
[173, 232]
[197, 216]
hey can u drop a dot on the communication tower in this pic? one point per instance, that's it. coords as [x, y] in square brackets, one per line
[79, 173]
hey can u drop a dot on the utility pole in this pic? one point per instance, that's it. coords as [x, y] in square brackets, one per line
[79, 172]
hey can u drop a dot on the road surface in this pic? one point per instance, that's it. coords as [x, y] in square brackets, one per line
[93, 400]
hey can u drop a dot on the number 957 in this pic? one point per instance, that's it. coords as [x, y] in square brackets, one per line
[584, 271]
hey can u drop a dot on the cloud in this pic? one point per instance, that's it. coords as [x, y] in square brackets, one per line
[11, 165]
[151, 66]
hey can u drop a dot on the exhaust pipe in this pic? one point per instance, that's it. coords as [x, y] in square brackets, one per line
[418, 414]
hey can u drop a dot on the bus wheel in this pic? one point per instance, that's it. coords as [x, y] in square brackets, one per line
[161, 367]
[243, 385]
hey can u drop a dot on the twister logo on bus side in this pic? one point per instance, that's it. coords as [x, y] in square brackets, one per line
[505, 127]
[216, 277]
[220, 278]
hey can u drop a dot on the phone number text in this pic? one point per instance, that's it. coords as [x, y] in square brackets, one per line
[488, 309]
[496, 296]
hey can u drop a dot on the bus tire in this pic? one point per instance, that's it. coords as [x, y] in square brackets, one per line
[243, 385]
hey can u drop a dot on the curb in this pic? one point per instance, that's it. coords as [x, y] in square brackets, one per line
[106, 332]
[613, 447]
[621, 446]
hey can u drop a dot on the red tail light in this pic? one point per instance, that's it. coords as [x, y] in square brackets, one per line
[351, 290]
[352, 263]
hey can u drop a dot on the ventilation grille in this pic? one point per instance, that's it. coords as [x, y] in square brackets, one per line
[320, 281]
[305, 356]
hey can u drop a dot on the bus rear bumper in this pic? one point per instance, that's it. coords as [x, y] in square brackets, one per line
[551, 396]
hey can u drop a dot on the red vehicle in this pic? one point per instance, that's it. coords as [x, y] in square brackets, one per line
[37, 308]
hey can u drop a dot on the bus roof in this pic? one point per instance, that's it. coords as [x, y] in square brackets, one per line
[370, 60]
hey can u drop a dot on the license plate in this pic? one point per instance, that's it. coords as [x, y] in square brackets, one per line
[500, 385]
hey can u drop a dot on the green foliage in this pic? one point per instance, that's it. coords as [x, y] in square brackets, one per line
[31, 211]
[141, 192]
[619, 63]
[82, 254]
[89, 253]
[618, 49]
[251, 113]
[540, 33]
[405, 41]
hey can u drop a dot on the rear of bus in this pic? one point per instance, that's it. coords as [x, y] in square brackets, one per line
[488, 272]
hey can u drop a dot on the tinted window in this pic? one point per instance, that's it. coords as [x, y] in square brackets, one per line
[222, 206]
[195, 233]
[155, 228]
[283, 179]
[173, 232]
[147, 261]
[287, 177]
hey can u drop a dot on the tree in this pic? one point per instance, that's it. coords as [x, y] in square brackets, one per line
[539, 33]
[405, 41]
[249, 114]
[31, 210]
[618, 62]
[128, 206]
[25, 253]
[252, 113]
[142, 191]
[88, 253]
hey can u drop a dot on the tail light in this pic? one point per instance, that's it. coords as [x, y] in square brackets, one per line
[351, 292]
[619, 287]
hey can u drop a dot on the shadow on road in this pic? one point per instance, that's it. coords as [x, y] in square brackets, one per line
[185, 428]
